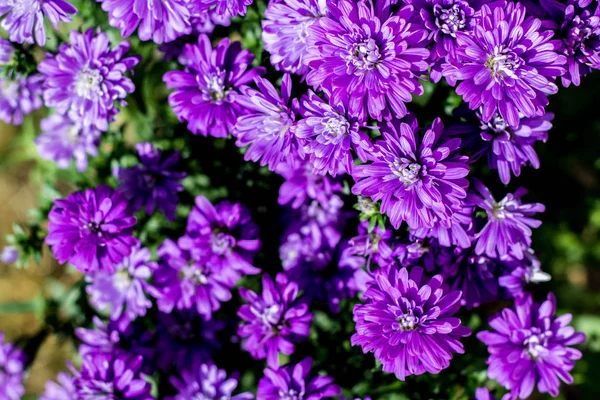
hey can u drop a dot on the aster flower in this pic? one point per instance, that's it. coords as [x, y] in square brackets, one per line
[159, 21]
[107, 376]
[408, 322]
[24, 19]
[7, 52]
[460, 232]
[124, 290]
[64, 139]
[509, 222]
[206, 381]
[63, 389]
[9, 255]
[207, 21]
[91, 229]
[275, 321]
[369, 56]
[376, 245]
[522, 272]
[12, 361]
[267, 128]
[224, 233]
[207, 90]
[420, 181]
[329, 135]
[506, 64]
[183, 282]
[285, 32]
[296, 381]
[19, 96]
[226, 8]
[531, 346]
[153, 183]
[86, 77]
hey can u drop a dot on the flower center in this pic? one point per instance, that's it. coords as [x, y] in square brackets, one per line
[503, 63]
[405, 321]
[221, 243]
[214, 87]
[364, 55]
[450, 20]
[122, 280]
[291, 394]
[197, 275]
[579, 30]
[334, 130]
[536, 343]
[407, 173]
[147, 181]
[93, 228]
[87, 84]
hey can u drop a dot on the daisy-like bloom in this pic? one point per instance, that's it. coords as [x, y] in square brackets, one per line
[376, 245]
[506, 64]
[509, 222]
[124, 290]
[285, 32]
[225, 8]
[159, 21]
[184, 282]
[106, 376]
[207, 90]
[275, 321]
[418, 180]
[329, 135]
[19, 96]
[12, 360]
[295, 381]
[370, 54]
[529, 346]
[407, 321]
[267, 127]
[63, 389]
[206, 381]
[86, 77]
[153, 183]
[64, 139]
[92, 229]
[24, 19]
[224, 233]
[7, 52]
[522, 272]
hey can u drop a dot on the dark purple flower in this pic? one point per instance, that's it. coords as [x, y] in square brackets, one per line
[420, 181]
[86, 77]
[275, 321]
[153, 183]
[285, 32]
[329, 135]
[64, 139]
[63, 389]
[407, 322]
[24, 20]
[529, 346]
[367, 56]
[12, 360]
[206, 382]
[104, 376]
[267, 128]
[207, 90]
[124, 290]
[160, 21]
[295, 381]
[522, 272]
[91, 229]
[19, 96]
[507, 65]
[509, 222]
[226, 8]
[376, 245]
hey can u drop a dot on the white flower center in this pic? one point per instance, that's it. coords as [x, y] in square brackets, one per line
[88, 83]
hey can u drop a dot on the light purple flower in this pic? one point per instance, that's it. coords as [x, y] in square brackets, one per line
[9, 254]
[63, 389]
[522, 272]
[206, 381]
[12, 360]
[226, 8]
[7, 51]
[19, 96]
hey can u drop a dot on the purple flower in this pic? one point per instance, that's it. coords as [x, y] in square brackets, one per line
[12, 361]
[24, 19]
[509, 222]
[295, 381]
[106, 376]
[64, 389]
[226, 8]
[274, 321]
[184, 282]
[19, 96]
[86, 77]
[522, 272]
[267, 128]
[91, 229]
[460, 233]
[420, 181]
[153, 183]
[483, 394]
[64, 139]
[207, 21]
[207, 92]
[206, 381]
[369, 54]
[506, 64]
[9, 255]
[376, 245]
[407, 322]
[530, 346]
[285, 32]
[124, 290]
[329, 134]
[224, 233]
[159, 21]
[7, 52]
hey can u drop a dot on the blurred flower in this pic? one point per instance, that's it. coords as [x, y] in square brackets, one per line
[12, 361]
[226, 8]
[9, 254]
[376, 245]
[483, 394]
[7, 51]
[206, 381]
[19, 96]
[64, 389]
